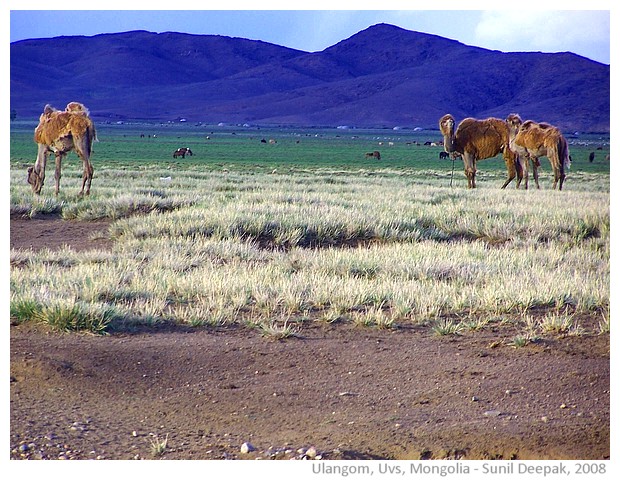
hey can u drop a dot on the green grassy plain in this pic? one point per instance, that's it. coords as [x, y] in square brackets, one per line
[309, 230]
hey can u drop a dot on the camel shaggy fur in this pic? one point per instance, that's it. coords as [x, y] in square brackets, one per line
[476, 140]
[532, 140]
[59, 132]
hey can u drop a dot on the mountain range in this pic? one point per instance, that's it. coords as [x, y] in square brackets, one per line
[383, 76]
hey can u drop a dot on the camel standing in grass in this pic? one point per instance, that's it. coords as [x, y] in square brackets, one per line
[60, 132]
[476, 140]
[532, 140]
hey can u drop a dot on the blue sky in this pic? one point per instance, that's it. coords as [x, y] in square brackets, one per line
[584, 32]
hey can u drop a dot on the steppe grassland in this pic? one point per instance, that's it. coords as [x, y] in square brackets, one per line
[262, 240]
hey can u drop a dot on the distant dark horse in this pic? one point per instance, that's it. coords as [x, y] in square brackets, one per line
[374, 154]
[443, 155]
[181, 152]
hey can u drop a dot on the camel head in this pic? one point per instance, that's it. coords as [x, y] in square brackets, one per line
[446, 126]
[48, 109]
[514, 122]
[76, 107]
[47, 113]
[34, 180]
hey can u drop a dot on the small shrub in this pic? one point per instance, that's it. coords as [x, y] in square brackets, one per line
[374, 317]
[447, 327]
[74, 317]
[520, 341]
[158, 447]
[559, 324]
[476, 324]
[332, 315]
[277, 332]
[23, 310]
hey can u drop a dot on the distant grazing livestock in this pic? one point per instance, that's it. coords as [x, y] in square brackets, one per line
[591, 157]
[272, 141]
[181, 152]
[60, 132]
[443, 155]
[374, 154]
[263, 140]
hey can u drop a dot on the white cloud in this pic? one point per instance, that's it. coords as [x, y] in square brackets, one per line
[585, 32]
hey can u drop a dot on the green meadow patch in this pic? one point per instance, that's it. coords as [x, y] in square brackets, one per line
[307, 229]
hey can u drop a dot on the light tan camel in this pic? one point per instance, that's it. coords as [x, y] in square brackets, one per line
[532, 140]
[476, 140]
[60, 132]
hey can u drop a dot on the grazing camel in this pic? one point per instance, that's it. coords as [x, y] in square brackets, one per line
[60, 132]
[532, 140]
[181, 152]
[376, 154]
[476, 140]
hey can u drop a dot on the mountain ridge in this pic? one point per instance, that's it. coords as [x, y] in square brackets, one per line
[382, 76]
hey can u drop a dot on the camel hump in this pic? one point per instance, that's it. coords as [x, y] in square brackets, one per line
[527, 125]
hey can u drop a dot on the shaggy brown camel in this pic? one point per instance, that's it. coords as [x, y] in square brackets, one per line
[532, 140]
[476, 140]
[60, 132]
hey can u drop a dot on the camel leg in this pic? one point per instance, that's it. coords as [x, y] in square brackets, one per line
[91, 171]
[87, 177]
[535, 165]
[559, 177]
[470, 170]
[561, 172]
[520, 173]
[471, 178]
[508, 180]
[525, 172]
[57, 175]
[512, 168]
[81, 149]
[557, 173]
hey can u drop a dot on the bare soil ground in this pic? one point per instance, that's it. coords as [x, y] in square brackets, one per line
[349, 392]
